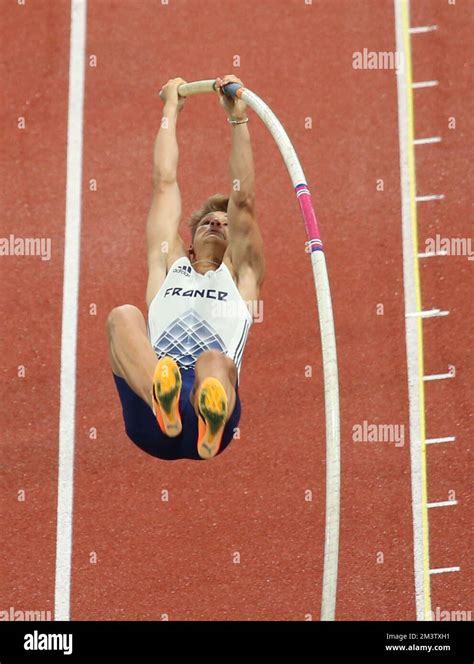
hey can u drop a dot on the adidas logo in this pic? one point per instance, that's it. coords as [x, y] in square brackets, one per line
[184, 270]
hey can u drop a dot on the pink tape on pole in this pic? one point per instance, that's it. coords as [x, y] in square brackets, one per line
[309, 217]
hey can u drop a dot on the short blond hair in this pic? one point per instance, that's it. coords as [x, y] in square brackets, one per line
[215, 203]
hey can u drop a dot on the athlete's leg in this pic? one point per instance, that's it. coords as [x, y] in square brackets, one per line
[216, 364]
[131, 355]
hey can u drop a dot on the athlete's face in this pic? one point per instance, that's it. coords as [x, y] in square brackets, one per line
[212, 229]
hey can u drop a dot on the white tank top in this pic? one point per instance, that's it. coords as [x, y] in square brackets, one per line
[194, 312]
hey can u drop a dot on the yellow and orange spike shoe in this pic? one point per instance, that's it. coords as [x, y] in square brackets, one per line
[166, 390]
[213, 407]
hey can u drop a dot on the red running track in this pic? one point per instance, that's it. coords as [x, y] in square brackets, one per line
[136, 556]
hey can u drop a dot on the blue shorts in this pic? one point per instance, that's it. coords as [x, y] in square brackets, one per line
[142, 427]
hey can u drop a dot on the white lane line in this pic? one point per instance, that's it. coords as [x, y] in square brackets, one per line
[69, 312]
[424, 84]
[429, 313]
[443, 503]
[438, 376]
[426, 141]
[413, 325]
[430, 254]
[446, 439]
[423, 28]
[443, 570]
[430, 197]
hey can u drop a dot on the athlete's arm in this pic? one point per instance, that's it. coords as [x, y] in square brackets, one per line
[245, 240]
[163, 240]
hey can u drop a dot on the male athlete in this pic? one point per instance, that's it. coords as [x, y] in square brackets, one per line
[178, 378]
